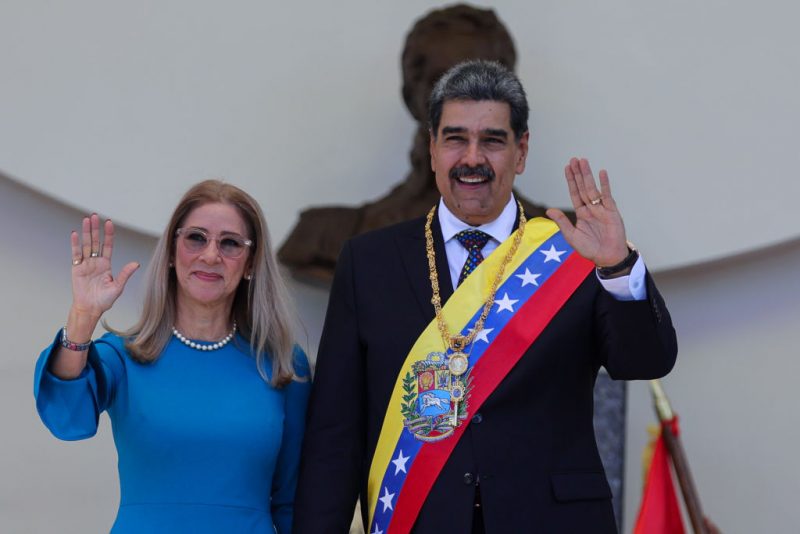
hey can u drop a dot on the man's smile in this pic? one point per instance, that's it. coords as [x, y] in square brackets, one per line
[472, 180]
[467, 175]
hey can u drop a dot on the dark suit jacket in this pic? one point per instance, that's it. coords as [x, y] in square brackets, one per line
[531, 448]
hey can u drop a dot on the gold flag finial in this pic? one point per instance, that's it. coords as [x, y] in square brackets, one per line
[663, 408]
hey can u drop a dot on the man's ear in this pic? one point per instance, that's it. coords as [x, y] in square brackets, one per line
[522, 152]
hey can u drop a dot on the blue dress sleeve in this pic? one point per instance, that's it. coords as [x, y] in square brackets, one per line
[284, 481]
[70, 409]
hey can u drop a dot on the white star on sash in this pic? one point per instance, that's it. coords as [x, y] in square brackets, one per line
[400, 463]
[553, 254]
[483, 335]
[528, 278]
[505, 304]
[377, 530]
[387, 499]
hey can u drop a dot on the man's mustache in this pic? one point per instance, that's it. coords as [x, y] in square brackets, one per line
[465, 170]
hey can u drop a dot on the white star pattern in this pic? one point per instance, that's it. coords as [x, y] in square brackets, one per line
[386, 500]
[483, 335]
[506, 304]
[528, 278]
[400, 463]
[377, 530]
[553, 254]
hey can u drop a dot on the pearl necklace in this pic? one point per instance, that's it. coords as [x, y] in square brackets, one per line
[197, 346]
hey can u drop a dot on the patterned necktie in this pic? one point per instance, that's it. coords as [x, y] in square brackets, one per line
[473, 241]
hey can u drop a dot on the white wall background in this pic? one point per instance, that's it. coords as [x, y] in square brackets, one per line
[689, 104]
[117, 107]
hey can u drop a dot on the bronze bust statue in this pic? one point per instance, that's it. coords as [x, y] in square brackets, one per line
[439, 40]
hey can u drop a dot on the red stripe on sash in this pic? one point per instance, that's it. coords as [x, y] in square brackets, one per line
[520, 332]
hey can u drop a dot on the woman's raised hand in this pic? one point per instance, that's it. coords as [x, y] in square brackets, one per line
[94, 291]
[94, 287]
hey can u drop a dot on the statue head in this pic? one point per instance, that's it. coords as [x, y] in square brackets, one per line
[444, 38]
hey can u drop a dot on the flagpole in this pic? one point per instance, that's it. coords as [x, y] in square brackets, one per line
[678, 457]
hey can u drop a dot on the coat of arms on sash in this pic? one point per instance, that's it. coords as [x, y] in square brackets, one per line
[435, 397]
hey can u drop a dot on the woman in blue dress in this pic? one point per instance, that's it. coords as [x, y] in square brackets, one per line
[207, 392]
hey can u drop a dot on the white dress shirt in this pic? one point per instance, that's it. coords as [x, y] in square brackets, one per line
[630, 287]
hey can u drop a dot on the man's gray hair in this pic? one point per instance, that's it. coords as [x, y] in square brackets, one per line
[480, 80]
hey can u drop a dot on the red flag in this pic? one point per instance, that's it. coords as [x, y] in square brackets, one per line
[660, 512]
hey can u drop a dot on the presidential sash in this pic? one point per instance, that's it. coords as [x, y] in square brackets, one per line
[431, 400]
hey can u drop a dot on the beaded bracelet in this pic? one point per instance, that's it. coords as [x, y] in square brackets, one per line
[77, 347]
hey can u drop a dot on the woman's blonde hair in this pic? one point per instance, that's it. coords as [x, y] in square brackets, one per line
[260, 306]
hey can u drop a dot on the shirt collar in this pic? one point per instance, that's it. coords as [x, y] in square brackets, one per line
[499, 229]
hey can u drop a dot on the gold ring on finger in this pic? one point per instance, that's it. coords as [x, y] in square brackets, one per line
[77, 261]
[94, 254]
[595, 201]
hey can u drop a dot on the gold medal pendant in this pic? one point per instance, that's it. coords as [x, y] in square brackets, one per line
[456, 395]
[458, 363]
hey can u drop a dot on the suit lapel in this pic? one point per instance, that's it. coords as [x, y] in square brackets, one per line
[411, 245]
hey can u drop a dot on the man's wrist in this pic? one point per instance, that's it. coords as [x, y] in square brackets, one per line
[622, 268]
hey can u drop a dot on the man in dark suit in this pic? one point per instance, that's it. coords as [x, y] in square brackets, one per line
[520, 454]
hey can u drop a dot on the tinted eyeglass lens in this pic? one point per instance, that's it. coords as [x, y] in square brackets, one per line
[195, 240]
[231, 247]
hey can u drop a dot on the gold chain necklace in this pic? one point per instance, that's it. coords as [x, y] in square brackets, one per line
[459, 362]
